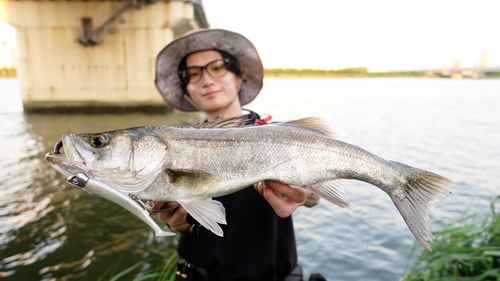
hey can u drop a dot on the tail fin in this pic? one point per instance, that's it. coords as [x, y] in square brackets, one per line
[422, 190]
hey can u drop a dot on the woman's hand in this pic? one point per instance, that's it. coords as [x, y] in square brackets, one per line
[171, 213]
[283, 198]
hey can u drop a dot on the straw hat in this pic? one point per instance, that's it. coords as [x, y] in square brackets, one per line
[167, 79]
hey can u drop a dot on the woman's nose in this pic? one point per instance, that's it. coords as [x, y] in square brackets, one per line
[206, 78]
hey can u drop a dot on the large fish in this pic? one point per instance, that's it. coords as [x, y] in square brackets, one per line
[191, 165]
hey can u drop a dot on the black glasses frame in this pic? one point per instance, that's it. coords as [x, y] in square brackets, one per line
[183, 74]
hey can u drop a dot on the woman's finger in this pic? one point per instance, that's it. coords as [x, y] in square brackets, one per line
[295, 194]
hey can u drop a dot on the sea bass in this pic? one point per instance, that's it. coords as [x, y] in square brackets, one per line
[191, 165]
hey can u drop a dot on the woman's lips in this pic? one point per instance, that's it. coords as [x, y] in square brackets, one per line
[210, 94]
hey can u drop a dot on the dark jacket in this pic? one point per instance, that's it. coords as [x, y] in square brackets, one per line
[257, 244]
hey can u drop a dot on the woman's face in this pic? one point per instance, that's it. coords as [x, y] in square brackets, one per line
[213, 94]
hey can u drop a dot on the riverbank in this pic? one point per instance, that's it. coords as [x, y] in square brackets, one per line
[320, 73]
[340, 73]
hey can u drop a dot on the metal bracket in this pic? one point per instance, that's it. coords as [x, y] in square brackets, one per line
[79, 180]
[89, 37]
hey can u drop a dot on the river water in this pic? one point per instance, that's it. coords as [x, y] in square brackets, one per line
[52, 231]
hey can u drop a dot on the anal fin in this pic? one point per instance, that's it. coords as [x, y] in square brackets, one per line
[331, 191]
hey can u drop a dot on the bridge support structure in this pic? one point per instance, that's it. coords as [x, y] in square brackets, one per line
[94, 56]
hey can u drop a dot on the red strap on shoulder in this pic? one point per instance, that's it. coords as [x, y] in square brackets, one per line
[263, 121]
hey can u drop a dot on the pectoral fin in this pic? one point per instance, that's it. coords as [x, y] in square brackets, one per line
[207, 212]
[331, 191]
[191, 178]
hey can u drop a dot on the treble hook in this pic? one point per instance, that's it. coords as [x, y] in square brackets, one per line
[58, 147]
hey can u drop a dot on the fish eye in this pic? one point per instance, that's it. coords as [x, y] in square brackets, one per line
[98, 140]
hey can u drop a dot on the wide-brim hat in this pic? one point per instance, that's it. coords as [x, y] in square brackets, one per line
[167, 78]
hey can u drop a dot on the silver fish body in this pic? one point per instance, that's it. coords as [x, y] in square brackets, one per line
[193, 164]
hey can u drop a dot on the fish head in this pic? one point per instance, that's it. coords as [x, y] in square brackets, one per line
[128, 159]
[107, 152]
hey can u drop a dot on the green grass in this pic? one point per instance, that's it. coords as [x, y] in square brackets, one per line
[164, 272]
[465, 250]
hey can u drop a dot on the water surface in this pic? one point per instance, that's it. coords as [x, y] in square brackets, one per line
[52, 231]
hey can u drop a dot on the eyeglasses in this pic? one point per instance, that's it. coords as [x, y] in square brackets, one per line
[215, 69]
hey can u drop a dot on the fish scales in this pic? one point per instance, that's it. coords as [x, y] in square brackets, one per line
[293, 154]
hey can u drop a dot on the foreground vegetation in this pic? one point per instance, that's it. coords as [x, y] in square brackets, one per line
[163, 272]
[465, 250]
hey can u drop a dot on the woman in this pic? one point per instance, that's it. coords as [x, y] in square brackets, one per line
[218, 71]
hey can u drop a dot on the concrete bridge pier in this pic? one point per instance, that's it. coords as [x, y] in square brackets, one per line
[94, 56]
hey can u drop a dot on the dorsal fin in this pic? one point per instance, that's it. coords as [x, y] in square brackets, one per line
[314, 123]
[231, 122]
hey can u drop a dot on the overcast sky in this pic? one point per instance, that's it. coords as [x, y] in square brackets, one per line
[381, 34]
[7, 34]
[375, 33]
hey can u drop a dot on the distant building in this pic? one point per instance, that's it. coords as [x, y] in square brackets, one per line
[485, 59]
[7, 55]
[443, 65]
[457, 64]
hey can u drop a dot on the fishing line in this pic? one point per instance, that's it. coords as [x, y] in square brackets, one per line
[369, 226]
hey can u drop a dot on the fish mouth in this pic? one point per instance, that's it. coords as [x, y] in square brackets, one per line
[70, 152]
[56, 158]
[59, 161]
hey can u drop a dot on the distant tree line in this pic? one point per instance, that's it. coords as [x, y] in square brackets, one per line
[345, 72]
[492, 74]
